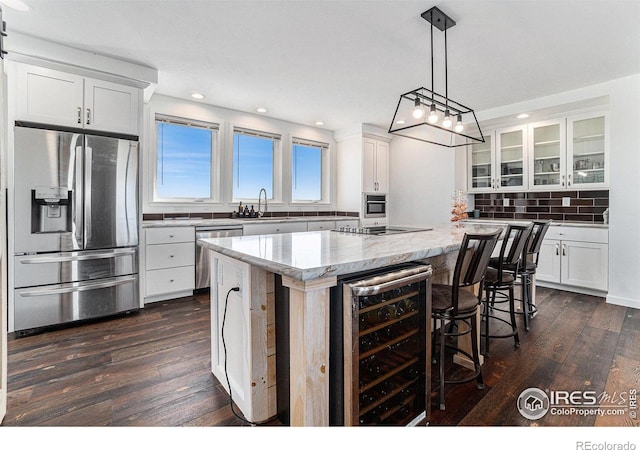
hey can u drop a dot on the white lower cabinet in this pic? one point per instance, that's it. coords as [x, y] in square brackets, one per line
[352, 223]
[169, 263]
[576, 258]
[170, 281]
[250, 229]
[321, 225]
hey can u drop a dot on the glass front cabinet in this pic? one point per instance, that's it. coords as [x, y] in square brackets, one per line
[499, 164]
[481, 165]
[511, 158]
[588, 151]
[553, 155]
[547, 146]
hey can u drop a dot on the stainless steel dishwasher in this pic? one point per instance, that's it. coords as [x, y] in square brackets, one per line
[203, 276]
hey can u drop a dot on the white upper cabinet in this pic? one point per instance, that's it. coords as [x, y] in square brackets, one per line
[111, 107]
[588, 150]
[375, 166]
[482, 165]
[553, 155]
[499, 163]
[58, 98]
[49, 96]
[547, 147]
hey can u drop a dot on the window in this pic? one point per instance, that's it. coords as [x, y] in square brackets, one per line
[307, 170]
[253, 162]
[185, 156]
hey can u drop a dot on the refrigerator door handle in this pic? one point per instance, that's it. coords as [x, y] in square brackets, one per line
[87, 192]
[85, 257]
[77, 187]
[78, 287]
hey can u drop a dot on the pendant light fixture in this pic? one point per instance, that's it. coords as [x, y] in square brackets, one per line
[448, 122]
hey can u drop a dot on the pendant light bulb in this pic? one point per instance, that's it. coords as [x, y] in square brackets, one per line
[433, 115]
[459, 127]
[418, 112]
[447, 119]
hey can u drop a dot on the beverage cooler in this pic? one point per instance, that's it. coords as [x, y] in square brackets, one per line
[379, 369]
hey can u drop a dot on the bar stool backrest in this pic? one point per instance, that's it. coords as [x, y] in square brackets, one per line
[514, 242]
[473, 259]
[535, 241]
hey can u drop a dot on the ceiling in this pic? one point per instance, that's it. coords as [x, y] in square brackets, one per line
[346, 62]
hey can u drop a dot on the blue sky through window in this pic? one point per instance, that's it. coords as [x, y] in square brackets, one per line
[184, 161]
[306, 183]
[252, 165]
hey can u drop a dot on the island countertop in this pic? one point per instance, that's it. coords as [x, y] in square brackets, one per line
[318, 254]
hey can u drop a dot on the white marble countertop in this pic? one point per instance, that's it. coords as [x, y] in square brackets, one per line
[194, 222]
[553, 223]
[317, 254]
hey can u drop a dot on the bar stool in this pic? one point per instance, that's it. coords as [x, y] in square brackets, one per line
[527, 268]
[453, 303]
[498, 280]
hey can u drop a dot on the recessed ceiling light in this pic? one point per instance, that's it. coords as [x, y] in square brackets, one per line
[319, 123]
[262, 110]
[18, 5]
[523, 116]
[400, 122]
[197, 96]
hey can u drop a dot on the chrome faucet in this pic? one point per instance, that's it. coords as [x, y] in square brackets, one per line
[260, 213]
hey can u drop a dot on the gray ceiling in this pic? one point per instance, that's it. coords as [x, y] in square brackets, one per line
[346, 62]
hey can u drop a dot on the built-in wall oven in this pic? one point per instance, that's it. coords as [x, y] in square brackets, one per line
[375, 205]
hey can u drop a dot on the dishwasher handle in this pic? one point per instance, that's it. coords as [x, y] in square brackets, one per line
[389, 281]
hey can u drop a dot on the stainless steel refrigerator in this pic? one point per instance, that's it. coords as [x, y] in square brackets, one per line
[75, 226]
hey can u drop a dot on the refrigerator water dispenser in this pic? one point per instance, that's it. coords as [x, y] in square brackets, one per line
[51, 209]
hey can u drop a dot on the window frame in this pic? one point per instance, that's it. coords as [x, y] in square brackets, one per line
[276, 195]
[215, 169]
[325, 170]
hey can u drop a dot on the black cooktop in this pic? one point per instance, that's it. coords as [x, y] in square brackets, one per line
[380, 231]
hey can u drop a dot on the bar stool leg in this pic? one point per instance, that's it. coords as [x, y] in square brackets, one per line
[526, 299]
[474, 347]
[490, 300]
[442, 349]
[512, 313]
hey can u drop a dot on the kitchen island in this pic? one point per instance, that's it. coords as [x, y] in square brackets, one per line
[309, 264]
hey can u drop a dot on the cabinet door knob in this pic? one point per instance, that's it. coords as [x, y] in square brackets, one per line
[170, 256]
[88, 116]
[557, 249]
[79, 115]
[564, 250]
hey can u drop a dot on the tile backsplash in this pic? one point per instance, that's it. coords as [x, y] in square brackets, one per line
[584, 206]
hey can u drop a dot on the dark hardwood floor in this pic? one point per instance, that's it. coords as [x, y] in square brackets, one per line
[153, 368]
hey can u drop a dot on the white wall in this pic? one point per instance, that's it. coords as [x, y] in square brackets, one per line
[624, 200]
[421, 182]
[227, 118]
